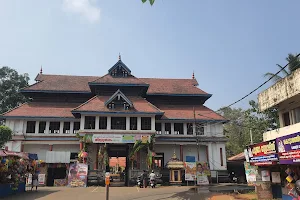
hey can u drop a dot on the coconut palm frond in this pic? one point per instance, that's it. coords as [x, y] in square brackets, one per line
[284, 71]
[275, 77]
[294, 62]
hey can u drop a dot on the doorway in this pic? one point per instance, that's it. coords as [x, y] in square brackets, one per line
[118, 167]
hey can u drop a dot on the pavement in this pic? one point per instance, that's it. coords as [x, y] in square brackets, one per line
[121, 193]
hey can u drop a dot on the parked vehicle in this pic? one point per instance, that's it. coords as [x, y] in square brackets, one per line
[152, 183]
[139, 182]
[94, 178]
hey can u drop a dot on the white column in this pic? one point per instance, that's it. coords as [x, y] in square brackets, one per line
[210, 156]
[36, 127]
[172, 128]
[127, 123]
[163, 129]
[139, 123]
[97, 122]
[152, 123]
[47, 127]
[184, 128]
[194, 128]
[108, 122]
[82, 122]
[12, 125]
[61, 128]
[71, 127]
[25, 126]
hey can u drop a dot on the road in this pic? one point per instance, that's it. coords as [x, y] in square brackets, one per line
[116, 193]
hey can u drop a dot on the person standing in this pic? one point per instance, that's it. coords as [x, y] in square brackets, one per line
[35, 181]
[145, 178]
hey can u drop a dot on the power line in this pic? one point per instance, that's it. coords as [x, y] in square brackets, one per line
[274, 75]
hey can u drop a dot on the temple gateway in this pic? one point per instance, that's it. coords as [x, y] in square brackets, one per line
[122, 123]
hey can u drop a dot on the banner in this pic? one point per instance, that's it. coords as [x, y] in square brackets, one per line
[41, 178]
[263, 153]
[202, 173]
[77, 176]
[115, 138]
[289, 149]
[190, 171]
[251, 172]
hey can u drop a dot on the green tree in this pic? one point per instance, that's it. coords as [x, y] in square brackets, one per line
[10, 85]
[294, 63]
[237, 130]
[5, 135]
[150, 1]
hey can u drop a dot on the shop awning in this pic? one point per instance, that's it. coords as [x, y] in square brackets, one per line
[4, 153]
[58, 156]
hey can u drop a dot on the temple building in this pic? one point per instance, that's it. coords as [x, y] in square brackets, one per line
[117, 109]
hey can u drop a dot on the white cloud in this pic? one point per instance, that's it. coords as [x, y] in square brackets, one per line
[85, 8]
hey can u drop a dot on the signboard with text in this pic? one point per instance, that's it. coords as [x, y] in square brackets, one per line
[289, 148]
[118, 138]
[263, 153]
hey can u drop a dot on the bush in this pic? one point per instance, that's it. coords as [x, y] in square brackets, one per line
[5, 135]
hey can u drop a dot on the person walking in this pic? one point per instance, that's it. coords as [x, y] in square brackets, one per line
[35, 181]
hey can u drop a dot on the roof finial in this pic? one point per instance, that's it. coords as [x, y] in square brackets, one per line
[119, 56]
[193, 76]
[41, 71]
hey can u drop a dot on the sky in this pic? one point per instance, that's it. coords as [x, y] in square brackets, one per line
[228, 44]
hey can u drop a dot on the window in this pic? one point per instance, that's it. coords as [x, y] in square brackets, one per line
[297, 115]
[102, 122]
[189, 128]
[42, 127]
[133, 123]
[146, 123]
[286, 119]
[30, 127]
[76, 127]
[221, 156]
[89, 122]
[54, 127]
[178, 129]
[118, 123]
[66, 127]
[199, 129]
[167, 128]
[158, 128]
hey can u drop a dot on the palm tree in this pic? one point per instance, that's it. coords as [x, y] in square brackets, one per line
[294, 63]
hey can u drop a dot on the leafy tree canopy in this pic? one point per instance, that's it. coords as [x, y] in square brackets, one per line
[5, 135]
[10, 84]
[150, 1]
[237, 130]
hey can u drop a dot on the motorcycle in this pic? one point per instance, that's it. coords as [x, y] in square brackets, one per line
[139, 182]
[152, 183]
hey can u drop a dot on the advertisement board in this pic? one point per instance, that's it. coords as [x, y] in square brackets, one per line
[116, 138]
[263, 153]
[190, 171]
[289, 148]
[202, 173]
[77, 176]
[251, 172]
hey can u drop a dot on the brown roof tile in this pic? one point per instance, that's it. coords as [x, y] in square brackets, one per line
[96, 104]
[108, 79]
[240, 156]
[172, 86]
[80, 84]
[34, 109]
[187, 112]
[62, 83]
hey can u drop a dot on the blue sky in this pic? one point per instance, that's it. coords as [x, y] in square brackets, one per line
[229, 44]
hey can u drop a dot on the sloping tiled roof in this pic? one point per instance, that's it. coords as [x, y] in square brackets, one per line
[62, 83]
[34, 109]
[81, 84]
[240, 156]
[187, 112]
[97, 104]
[108, 79]
[173, 86]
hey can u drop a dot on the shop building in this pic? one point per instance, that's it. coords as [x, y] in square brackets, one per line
[117, 109]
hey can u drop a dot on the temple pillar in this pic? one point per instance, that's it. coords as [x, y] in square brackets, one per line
[80, 146]
[181, 152]
[50, 147]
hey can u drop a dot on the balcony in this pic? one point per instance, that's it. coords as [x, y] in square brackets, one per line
[281, 91]
[271, 135]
